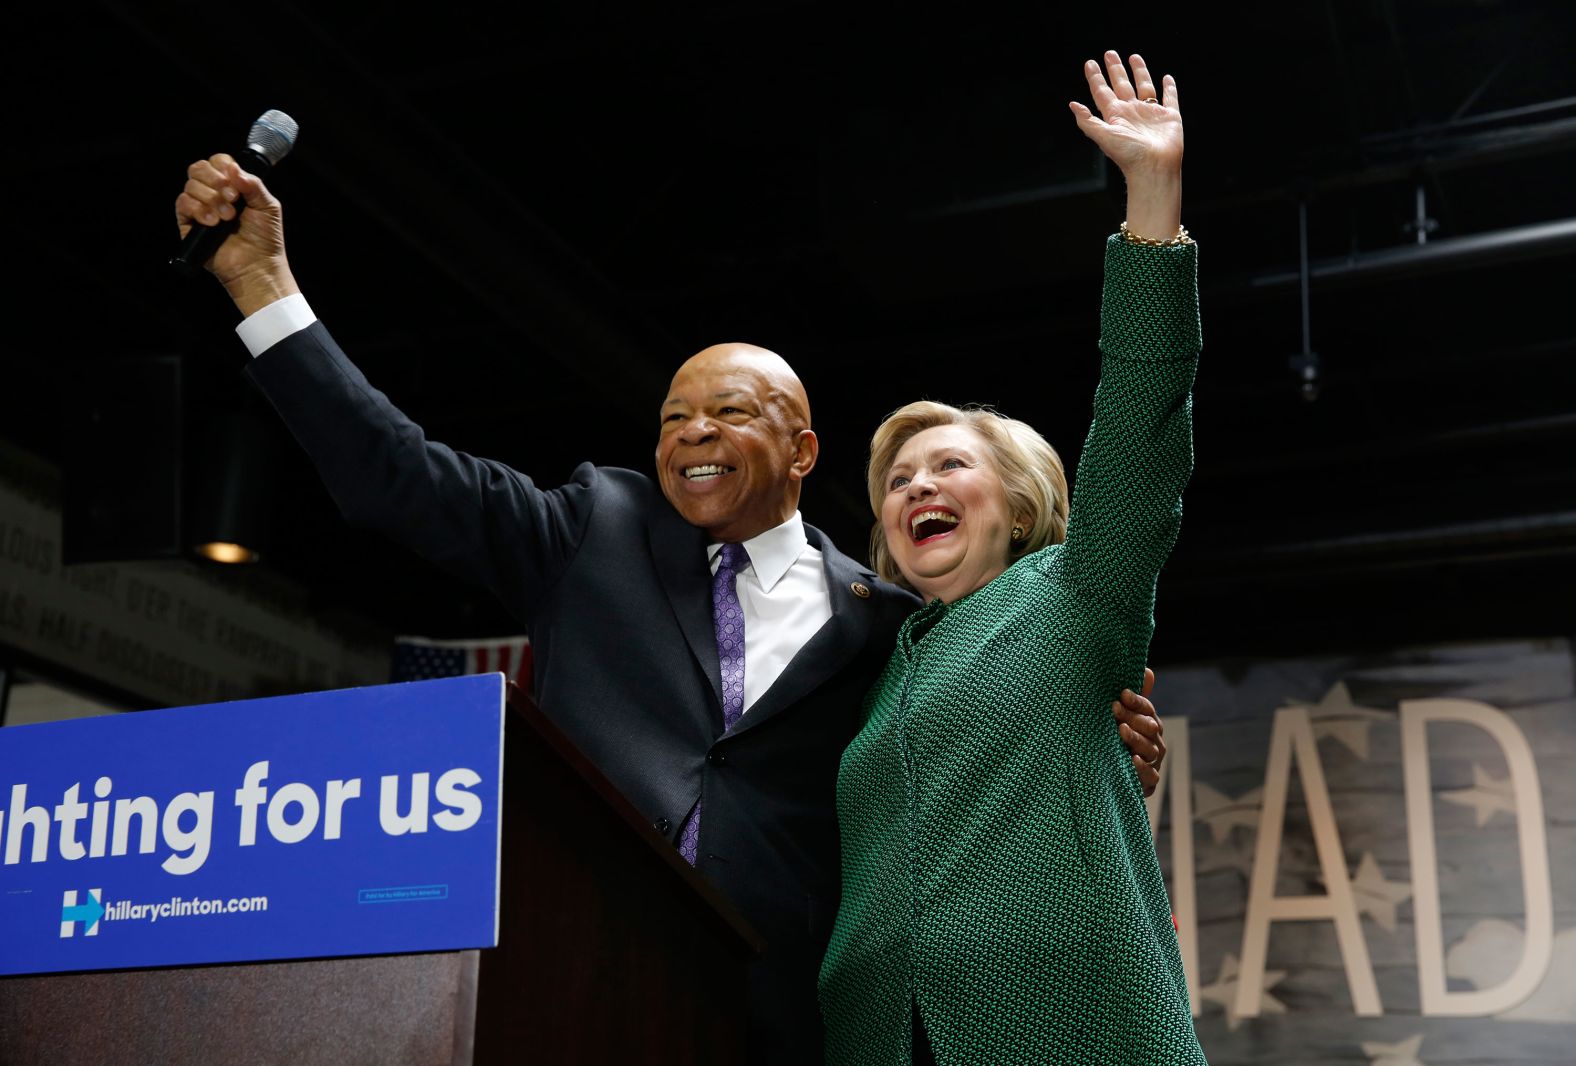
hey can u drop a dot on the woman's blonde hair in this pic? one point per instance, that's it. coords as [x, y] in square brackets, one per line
[1029, 468]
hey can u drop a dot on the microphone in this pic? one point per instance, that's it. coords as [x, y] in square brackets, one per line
[271, 138]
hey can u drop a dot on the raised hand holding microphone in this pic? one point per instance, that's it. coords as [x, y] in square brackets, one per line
[269, 141]
[233, 226]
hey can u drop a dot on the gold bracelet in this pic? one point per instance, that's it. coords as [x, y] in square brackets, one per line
[1132, 238]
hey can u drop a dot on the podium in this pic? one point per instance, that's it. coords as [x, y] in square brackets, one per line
[612, 949]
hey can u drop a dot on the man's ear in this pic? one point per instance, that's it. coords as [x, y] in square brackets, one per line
[806, 449]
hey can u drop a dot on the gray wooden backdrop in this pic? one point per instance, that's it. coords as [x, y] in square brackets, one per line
[1354, 706]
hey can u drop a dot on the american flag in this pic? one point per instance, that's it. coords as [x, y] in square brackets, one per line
[418, 659]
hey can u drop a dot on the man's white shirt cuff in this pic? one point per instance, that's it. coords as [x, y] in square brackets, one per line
[266, 328]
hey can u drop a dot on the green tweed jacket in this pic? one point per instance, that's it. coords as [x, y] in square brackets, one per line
[998, 868]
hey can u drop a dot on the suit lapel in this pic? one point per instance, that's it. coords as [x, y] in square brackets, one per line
[679, 550]
[837, 642]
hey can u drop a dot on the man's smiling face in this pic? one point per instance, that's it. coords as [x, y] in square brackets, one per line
[735, 441]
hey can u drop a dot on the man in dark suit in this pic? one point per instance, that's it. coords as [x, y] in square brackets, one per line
[629, 589]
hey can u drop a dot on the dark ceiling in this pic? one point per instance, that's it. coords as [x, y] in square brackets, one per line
[520, 219]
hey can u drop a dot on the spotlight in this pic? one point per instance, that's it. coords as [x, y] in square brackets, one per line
[233, 502]
[222, 551]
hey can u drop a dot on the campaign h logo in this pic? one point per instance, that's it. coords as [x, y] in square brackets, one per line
[88, 913]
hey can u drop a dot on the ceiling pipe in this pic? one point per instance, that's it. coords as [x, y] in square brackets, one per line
[1306, 363]
[1472, 440]
[1460, 122]
[1396, 157]
[1450, 253]
[1557, 526]
[1465, 543]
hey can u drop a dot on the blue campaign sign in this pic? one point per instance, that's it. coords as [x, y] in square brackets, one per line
[357, 822]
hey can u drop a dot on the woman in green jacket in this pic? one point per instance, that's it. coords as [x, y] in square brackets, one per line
[1002, 900]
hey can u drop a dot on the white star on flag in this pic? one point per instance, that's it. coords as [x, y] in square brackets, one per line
[1402, 1054]
[1222, 813]
[1377, 897]
[419, 659]
[1486, 796]
[1224, 991]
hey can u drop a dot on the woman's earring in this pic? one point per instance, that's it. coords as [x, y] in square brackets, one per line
[1017, 533]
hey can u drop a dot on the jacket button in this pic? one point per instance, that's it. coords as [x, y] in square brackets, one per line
[660, 825]
[716, 758]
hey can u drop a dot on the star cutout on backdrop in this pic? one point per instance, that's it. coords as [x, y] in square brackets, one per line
[1487, 795]
[1377, 897]
[1224, 991]
[1337, 717]
[1401, 1054]
[1222, 813]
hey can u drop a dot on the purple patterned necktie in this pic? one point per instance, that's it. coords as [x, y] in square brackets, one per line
[727, 618]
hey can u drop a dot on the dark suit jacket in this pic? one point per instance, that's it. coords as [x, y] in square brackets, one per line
[614, 588]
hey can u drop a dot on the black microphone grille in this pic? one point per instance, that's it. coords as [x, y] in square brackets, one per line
[273, 135]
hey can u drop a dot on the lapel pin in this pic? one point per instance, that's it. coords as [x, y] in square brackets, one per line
[861, 590]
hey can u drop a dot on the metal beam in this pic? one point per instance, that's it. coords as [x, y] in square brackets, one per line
[1507, 245]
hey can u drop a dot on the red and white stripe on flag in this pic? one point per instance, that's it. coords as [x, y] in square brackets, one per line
[511, 657]
[418, 658]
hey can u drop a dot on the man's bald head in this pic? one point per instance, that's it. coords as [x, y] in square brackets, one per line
[773, 370]
[736, 440]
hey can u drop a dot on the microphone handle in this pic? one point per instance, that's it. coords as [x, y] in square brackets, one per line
[202, 241]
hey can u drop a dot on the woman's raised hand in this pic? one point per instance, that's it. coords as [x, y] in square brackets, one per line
[1139, 128]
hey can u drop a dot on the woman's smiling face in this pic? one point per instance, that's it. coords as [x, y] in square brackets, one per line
[945, 515]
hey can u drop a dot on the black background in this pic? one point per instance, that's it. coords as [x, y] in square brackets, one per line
[519, 220]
